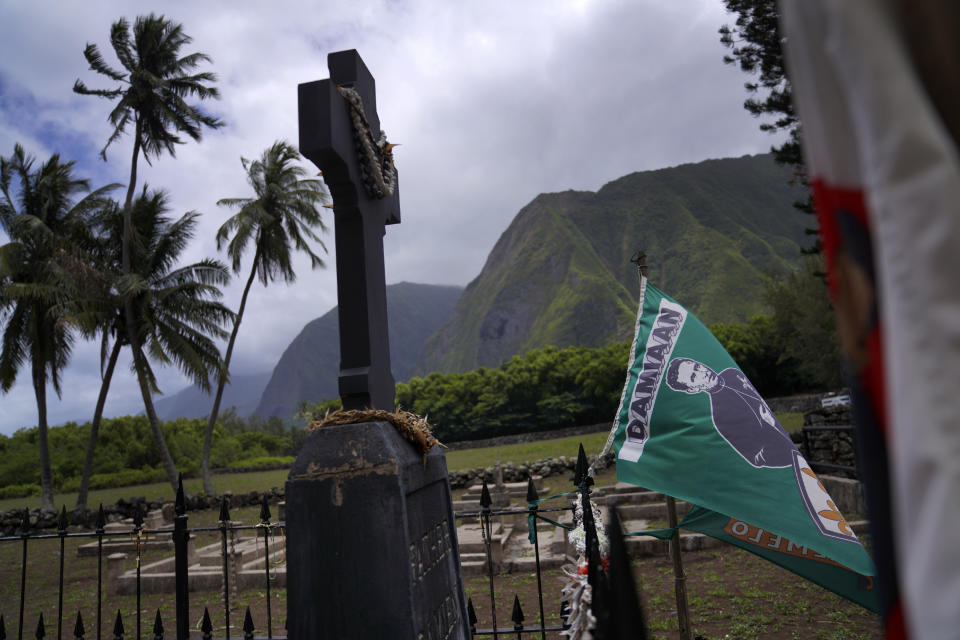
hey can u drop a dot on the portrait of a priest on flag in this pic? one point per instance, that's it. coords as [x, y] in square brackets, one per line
[691, 425]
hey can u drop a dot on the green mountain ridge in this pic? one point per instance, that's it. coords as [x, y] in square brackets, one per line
[560, 274]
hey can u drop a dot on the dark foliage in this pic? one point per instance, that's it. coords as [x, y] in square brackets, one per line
[754, 43]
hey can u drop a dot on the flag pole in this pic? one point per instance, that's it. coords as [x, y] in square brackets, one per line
[679, 575]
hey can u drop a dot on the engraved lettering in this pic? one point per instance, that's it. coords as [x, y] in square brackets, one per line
[430, 550]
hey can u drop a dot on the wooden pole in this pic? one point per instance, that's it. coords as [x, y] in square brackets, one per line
[679, 576]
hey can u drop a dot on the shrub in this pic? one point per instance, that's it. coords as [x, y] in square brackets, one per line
[122, 478]
[262, 461]
[19, 491]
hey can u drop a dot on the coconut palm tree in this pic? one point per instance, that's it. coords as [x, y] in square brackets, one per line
[155, 83]
[39, 217]
[278, 220]
[179, 317]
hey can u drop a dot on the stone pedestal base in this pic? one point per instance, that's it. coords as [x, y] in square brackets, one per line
[371, 539]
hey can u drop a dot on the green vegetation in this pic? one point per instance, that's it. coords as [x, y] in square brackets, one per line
[561, 274]
[791, 351]
[148, 482]
[124, 456]
[92, 267]
[154, 82]
[177, 309]
[40, 215]
[545, 389]
[795, 348]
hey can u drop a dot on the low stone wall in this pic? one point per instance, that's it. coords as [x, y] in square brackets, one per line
[564, 465]
[796, 404]
[836, 447]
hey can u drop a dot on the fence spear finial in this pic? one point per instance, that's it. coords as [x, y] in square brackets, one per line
[180, 503]
[532, 495]
[78, 629]
[118, 627]
[248, 627]
[264, 510]
[157, 627]
[224, 510]
[581, 472]
[517, 615]
[485, 500]
[206, 626]
[62, 520]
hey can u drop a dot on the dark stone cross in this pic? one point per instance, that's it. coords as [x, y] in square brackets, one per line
[371, 537]
[327, 138]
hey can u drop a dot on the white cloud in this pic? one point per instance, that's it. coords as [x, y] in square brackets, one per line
[492, 103]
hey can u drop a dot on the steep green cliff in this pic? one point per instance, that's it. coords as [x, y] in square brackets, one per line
[560, 274]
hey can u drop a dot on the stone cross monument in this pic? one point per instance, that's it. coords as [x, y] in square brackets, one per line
[371, 538]
[365, 198]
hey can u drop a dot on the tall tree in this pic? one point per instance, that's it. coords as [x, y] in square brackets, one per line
[39, 217]
[155, 83]
[754, 43]
[279, 219]
[177, 309]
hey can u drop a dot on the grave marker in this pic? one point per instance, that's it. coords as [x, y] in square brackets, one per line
[329, 139]
[371, 538]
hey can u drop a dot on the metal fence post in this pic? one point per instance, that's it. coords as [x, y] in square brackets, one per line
[266, 525]
[182, 584]
[24, 525]
[533, 501]
[225, 552]
[486, 531]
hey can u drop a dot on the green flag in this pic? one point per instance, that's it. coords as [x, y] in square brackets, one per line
[782, 551]
[691, 425]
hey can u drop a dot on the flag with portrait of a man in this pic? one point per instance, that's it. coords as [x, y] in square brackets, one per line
[691, 425]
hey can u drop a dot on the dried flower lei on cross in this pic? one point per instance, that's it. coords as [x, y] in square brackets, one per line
[414, 428]
[577, 591]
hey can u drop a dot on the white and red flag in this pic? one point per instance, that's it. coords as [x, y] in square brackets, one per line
[885, 174]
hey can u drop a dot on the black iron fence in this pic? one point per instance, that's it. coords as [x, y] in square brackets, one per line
[181, 537]
[610, 603]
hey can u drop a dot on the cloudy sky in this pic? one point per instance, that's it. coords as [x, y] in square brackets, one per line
[493, 102]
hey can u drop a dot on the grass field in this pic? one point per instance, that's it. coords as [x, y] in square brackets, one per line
[263, 480]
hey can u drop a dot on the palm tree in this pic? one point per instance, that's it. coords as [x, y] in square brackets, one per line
[154, 84]
[177, 311]
[157, 83]
[35, 294]
[105, 310]
[280, 218]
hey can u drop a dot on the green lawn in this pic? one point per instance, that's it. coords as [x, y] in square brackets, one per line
[263, 480]
[526, 451]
